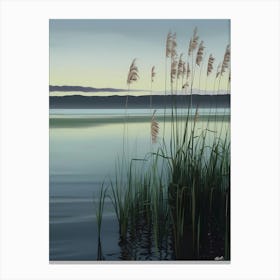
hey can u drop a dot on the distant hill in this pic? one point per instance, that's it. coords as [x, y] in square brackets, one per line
[84, 89]
[118, 102]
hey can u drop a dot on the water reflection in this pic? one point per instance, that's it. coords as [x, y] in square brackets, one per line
[83, 152]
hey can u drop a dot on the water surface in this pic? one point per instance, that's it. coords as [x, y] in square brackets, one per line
[84, 146]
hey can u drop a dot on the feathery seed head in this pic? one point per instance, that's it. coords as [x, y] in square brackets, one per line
[133, 73]
[226, 60]
[210, 64]
[181, 64]
[193, 42]
[153, 74]
[174, 45]
[169, 44]
[199, 54]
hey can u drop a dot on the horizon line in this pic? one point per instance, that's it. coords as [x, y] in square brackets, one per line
[90, 89]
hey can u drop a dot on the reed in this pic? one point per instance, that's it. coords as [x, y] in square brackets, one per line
[153, 74]
[99, 216]
[154, 128]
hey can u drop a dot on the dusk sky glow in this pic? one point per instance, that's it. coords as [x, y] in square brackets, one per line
[98, 53]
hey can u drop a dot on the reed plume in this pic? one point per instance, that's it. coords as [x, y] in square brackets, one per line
[154, 128]
[210, 64]
[169, 44]
[153, 74]
[174, 45]
[173, 71]
[181, 67]
[193, 42]
[199, 55]
[170, 51]
[133, 75]
[226, 60]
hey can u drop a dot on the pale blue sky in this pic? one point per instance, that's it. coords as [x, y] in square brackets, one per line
[98, 53]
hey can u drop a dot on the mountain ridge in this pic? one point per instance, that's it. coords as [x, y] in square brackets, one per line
[144, 101]
[84, 89]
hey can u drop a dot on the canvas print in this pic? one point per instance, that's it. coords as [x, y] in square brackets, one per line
[139, 140]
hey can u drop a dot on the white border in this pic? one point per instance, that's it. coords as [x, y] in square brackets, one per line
[24, 138]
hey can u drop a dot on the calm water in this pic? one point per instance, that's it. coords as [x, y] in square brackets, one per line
[84, 145]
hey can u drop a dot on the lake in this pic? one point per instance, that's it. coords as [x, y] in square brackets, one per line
[84, 146]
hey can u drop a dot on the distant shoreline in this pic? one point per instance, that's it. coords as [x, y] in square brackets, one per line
[138, 102]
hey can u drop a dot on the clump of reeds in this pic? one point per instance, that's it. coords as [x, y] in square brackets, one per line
[181, 192]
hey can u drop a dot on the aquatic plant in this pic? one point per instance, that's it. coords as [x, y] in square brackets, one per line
[199, 55]
[177, 197]
[211, 60]
[153, 74]
[226, 60]
[99, 216]
[154, 128]
[133, 76]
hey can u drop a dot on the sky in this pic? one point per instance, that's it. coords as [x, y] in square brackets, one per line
[98, 53]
